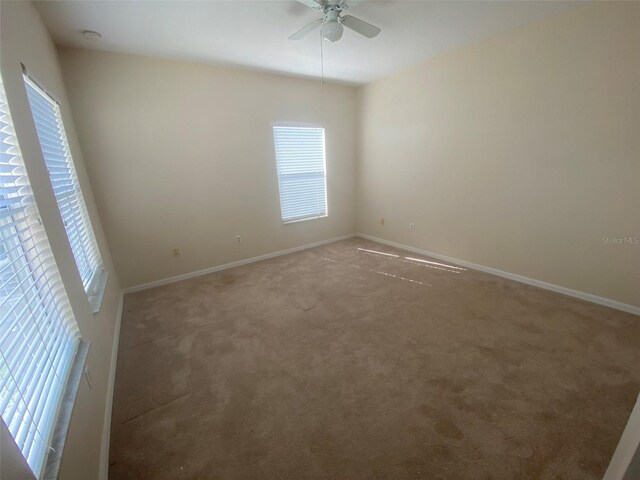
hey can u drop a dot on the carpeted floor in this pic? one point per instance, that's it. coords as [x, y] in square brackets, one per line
[342, 363]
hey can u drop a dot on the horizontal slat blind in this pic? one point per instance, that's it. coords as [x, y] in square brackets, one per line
[300, 159]
[38, 332]
[55, 149]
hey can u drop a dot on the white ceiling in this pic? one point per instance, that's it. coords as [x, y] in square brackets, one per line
[254, 33]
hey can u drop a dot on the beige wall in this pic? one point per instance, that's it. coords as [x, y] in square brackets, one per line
[181, 155]
[518, 153]
[12, 465]
[24, 40]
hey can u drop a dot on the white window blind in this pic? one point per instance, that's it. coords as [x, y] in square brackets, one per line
[38, 332]
[300, 160]
[55, 149]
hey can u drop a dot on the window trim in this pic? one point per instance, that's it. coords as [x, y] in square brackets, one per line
[324, 163]
[306, 219]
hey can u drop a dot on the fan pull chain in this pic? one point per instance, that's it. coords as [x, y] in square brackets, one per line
[321, 59]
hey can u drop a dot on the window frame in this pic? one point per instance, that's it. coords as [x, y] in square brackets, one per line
[324, 168]
[95, 284]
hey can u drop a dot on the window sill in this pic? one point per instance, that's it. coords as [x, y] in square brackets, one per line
[52, 465]
[100, 285]
[289, 222]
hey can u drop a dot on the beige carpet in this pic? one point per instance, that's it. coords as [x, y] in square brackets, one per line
[339, 363]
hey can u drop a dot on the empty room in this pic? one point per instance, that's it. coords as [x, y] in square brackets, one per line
[319, 240]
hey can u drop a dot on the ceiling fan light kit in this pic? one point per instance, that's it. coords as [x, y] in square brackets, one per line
[332, 31]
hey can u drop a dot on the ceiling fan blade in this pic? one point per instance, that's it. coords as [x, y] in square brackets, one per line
[306, 30]
[360, 26]
[315, 4]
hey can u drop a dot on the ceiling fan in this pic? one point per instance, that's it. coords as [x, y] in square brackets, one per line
[333, 21]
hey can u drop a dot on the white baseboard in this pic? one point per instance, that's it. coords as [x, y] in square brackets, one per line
[106, 428]
[197, 273]
[607, 302]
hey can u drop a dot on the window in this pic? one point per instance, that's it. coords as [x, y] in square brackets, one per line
[55, 149]
[300, 159]
[38, 333]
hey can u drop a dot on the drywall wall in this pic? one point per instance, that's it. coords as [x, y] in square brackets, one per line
[181, 155]
[24, 40]
[12, 465]
[520, 153]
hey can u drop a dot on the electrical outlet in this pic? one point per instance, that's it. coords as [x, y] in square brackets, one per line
[382, 221]
[412, 226]
[175, 252]
[238, 239]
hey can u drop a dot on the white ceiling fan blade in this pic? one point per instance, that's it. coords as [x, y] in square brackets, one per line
[306, 30]
[360, 26]
[315, 4]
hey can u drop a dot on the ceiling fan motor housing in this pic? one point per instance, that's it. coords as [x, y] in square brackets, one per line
[332, 12]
